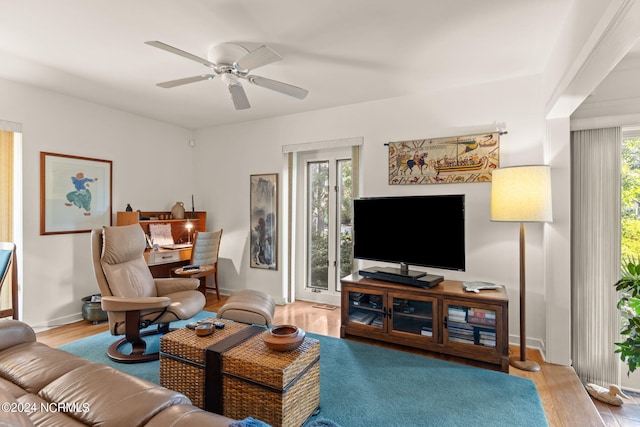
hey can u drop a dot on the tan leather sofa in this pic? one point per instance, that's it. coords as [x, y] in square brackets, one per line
[43, 386]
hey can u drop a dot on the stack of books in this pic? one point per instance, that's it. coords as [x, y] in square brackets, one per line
[481, 316]
[487, 338]
[457, 314]
[461, 332]
[472, 325]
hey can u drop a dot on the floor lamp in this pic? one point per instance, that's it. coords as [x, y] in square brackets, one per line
[521, 194]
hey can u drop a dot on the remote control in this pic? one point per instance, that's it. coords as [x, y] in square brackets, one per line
[192, 325]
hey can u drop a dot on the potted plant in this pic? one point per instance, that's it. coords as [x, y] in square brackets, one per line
[629, 306]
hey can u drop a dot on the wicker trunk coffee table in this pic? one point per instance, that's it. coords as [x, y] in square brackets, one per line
[233, 372]
[183, 359]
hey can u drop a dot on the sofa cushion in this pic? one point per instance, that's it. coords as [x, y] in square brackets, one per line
[9, 387]
[33, 365]
[43, 413]
[188, 415]
[108, 397]
[13, 415]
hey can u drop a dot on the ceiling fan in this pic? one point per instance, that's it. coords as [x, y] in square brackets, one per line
[233, 62]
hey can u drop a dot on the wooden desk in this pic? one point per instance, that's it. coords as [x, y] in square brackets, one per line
[162, 261]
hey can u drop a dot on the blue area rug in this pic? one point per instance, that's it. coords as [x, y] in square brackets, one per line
[365, 385]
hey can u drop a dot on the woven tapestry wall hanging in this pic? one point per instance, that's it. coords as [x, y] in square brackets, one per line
[455, 159]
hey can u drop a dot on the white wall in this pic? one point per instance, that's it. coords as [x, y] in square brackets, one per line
[57, 270]
[231, 153]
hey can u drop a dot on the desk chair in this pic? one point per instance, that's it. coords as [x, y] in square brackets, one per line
[204, 254]
[8, 264]
[132, 298]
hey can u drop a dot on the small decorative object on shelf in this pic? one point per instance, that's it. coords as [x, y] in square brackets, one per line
[129, 208]
[479, 286]
[284, 337]
[178, 210]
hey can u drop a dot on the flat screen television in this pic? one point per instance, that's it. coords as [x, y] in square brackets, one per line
[425, 231]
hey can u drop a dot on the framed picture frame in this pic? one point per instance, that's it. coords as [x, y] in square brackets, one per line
[264, 221]
[75, 193]
[457, 159]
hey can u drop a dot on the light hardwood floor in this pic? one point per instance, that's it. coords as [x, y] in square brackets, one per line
[564, 399]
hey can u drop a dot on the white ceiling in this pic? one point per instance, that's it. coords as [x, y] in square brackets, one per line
[342, 51]
[618, 93]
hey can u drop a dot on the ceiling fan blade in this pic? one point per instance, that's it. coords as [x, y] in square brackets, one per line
[182, 53]
[257, 58]
[287, 89]
[186, 80]
[238, 96]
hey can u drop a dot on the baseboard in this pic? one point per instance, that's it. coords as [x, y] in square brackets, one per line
[60, 321]
[532, 343]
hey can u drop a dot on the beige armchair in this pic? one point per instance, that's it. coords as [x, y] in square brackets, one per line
[132, 298]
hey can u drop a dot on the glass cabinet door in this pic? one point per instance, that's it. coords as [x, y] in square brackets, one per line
[366, 308]
[412, 315]
[470, 325]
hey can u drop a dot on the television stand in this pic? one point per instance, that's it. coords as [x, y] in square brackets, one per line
[443, 319]
[396, 275]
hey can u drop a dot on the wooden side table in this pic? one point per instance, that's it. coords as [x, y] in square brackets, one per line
[201, 273]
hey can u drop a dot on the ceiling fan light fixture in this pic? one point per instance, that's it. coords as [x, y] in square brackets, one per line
[226, 53]
[230, 79]
[233, 62]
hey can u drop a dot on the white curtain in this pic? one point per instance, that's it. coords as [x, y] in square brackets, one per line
[595, 243]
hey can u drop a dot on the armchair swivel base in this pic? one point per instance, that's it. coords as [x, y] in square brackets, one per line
[134, 338]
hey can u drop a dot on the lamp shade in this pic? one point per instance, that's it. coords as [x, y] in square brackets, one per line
[521, 194]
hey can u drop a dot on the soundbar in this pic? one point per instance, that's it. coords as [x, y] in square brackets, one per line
[421, 280]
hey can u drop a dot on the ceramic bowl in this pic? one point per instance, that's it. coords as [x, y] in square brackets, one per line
[204, 329]
[284, 337]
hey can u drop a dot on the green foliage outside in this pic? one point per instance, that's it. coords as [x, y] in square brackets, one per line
[629, 284]
[319, 209]
[630, 227]
[320, 258]
[629, 306]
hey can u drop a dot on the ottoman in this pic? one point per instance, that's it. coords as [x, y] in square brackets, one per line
[249, 306]
[279, 388]
[184, 360]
